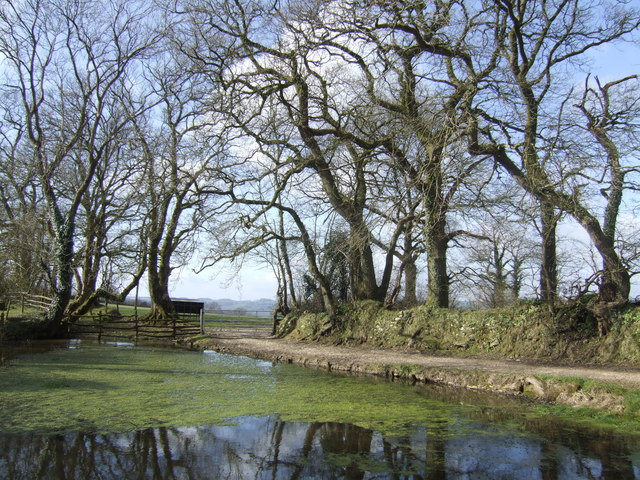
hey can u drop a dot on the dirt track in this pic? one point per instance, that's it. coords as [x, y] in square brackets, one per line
[357, 358]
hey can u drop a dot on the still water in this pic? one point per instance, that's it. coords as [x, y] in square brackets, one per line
[121, 412]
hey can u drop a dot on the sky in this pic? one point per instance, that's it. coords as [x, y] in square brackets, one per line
[616, 61]
[254, 282]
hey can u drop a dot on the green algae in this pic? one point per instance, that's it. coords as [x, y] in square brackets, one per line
[97, 388]
[109, 389]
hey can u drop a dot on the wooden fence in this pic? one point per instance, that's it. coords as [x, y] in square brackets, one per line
[131, 328]
[26, 301]
[37, 302]
[134, 327]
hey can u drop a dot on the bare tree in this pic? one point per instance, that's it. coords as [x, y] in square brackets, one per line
[175, 159]
[497, 262]
[24, 239]
[110, 222]
[63, 61]
[541, 41]
[612, 117]
[417, 80]
[310, 88]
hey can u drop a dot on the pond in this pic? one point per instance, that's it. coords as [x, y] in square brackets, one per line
[114, 411]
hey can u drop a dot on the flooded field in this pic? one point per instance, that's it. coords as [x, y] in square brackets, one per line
[87, 411]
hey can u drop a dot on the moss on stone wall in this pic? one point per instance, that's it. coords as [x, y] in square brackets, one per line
[521, 332]
[303, 325]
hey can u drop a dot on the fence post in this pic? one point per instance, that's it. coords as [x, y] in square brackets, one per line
[23, 303]
[202, 321]
[135, 303]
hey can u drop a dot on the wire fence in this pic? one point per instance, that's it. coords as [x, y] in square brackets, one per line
[231, 320]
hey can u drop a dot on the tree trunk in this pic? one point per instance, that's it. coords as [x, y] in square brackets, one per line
[500, 291]
[437, 245]
[616, 284]
[362, 274]
[328, 301]
[410, 268]
[158, 289]
[438, 293]
[611, 279]
[410, 283]
[363, 281]
[84, 301]
[64, 277]
[436, 206]
[549, 267]
[158, 272]
[286, 263]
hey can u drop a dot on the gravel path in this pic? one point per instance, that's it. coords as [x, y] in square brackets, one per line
[260, 344]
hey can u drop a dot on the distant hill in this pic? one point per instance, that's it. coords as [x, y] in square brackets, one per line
[225, 304]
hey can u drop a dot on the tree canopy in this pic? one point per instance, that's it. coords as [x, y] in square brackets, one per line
[401, 152]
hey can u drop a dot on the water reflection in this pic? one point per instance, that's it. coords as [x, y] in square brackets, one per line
[268, 448]
[434, 433]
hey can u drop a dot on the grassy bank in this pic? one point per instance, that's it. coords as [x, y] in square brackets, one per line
[526, 332]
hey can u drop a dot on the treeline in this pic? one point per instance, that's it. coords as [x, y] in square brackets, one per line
[347, 144]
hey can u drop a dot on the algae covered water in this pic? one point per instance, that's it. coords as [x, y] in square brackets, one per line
[116, 411]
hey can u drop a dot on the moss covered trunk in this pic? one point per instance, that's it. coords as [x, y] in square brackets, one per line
[437, 246]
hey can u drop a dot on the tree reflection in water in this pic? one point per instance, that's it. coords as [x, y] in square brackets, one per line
[268, 448]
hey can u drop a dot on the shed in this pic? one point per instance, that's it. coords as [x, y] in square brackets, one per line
[187, 306]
